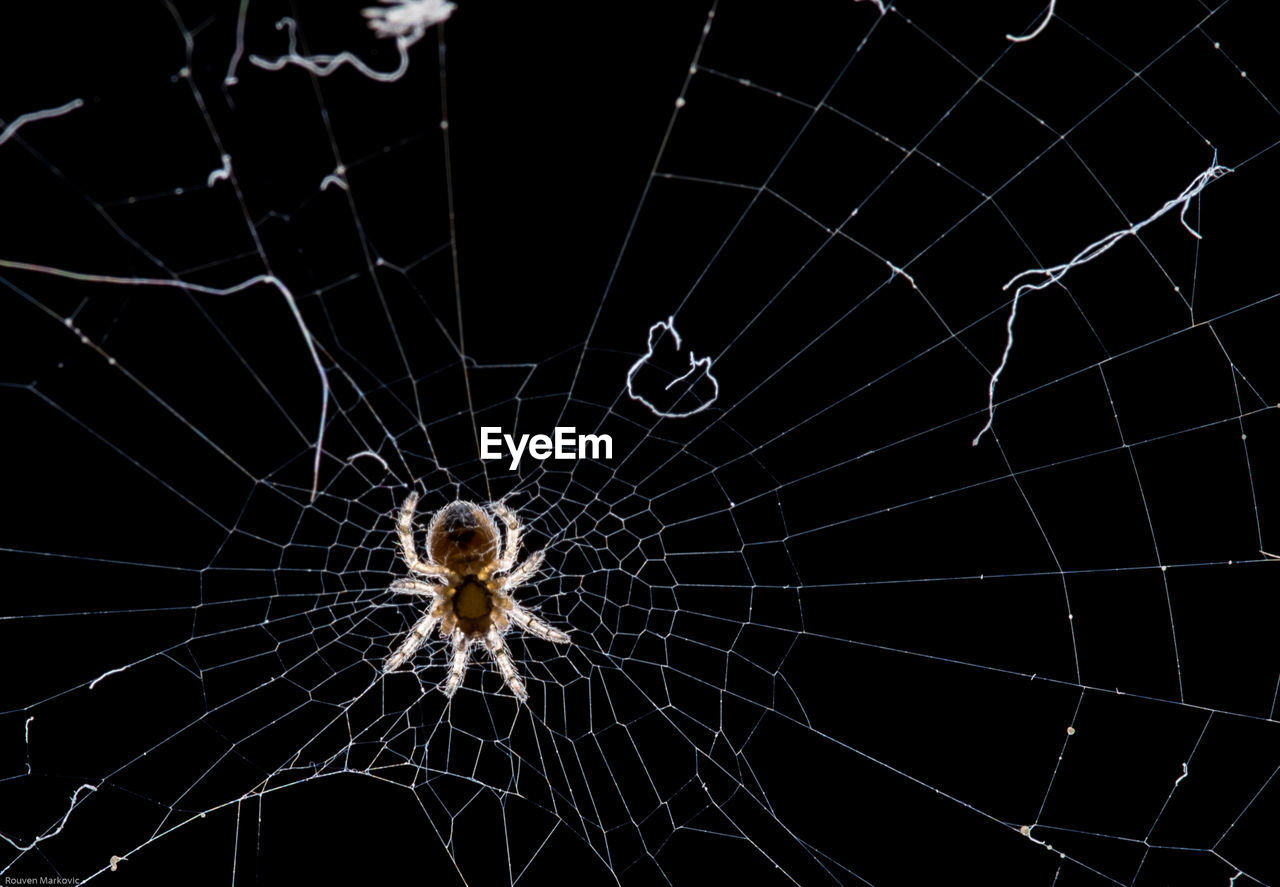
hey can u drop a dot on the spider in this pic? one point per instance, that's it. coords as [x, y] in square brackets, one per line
[470, 569]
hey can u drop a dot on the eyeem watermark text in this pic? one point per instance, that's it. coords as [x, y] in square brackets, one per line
[564, 444]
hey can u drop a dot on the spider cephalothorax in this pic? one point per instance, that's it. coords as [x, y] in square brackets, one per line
[470, 566]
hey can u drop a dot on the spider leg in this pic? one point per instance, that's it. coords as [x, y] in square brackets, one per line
[507, 668]
[414, 586]
[512, 546]
[409, 550]
[419, 633]
[532, 624]
[521, 574]
[461, 650]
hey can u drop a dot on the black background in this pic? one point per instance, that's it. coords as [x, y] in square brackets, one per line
[903, 689]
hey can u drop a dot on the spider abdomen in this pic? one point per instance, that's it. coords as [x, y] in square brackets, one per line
[462, 537]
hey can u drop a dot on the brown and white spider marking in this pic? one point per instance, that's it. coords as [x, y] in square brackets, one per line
[470, 568]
